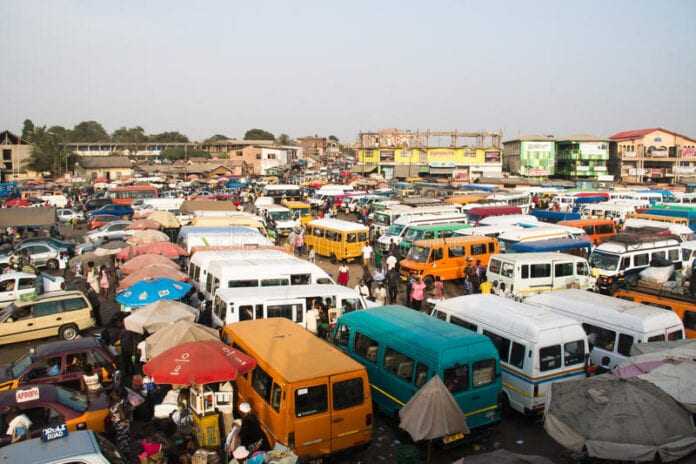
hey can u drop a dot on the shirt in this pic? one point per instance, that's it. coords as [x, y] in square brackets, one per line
[92, 382]
[367, 251]
[311, 320]
[391, 262]
[21, 421]
[417, 291]
[380, 295]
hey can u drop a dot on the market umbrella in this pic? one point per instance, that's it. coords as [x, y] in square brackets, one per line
[146, 259]
[144, 237]
[166, 219]
[198, 363]
[144, 224]
[152, 272]
[110, 248]
[182, 331]
[503, 456]
[622, 419]
[160, 314]
[432, 413]
[151, 290]
[85, 258]
[168, 249]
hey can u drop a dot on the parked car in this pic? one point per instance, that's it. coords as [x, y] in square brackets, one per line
[123, 211]
[19, 285]
[98, 221]
[61, 245]
[40, 255]
[71, 357]
[63, 313]
[116, 230]
[96, 203]
[69, 215]
[83, 446]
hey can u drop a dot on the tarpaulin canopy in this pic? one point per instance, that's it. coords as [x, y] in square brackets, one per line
[152, 272]
[166, 219]
[148, 291]
[144, 260]
[144, 224]
[24, 217]
[168, 249]
[144, 237]
[175, 334]
[155, 316]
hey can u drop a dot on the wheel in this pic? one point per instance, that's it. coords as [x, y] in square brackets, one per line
[52, 264]
[69, 332]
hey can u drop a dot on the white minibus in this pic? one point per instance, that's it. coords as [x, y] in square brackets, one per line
[519, 275]
[221, 236]
[537, 347]
[510, 219]
[489, 231]
[542, 232]
[383, 220]
[397, 230]
[201, 260]
[280, 192]
[617, 212]
[682, 231]
[522, 200]
[612, 324]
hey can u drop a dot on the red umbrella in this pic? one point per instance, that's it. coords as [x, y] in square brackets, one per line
[17, 202]
[153, 271]
[143, 224]
[168, 249]
[198, 363]
[142, 261]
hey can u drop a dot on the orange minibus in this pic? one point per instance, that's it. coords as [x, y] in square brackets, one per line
[599, 230]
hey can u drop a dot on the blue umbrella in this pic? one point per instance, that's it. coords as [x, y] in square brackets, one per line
[151, 290]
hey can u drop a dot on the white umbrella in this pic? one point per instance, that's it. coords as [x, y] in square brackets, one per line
[143, 237]
[154, 316]
[175, 334]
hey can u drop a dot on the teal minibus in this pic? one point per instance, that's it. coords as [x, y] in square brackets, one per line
[427, 232]
[402, 349]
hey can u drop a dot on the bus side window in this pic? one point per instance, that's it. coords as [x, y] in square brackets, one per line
[276, 396]
[437, 254]
[581, 268]
[517, 355]
[501, 343]
[690, 320]
[625, 263]
[625, 343]
[259, 311]
[366, 347]
[462, 323]
[421, 375]
[246, 313]
[441, 315]
[525, 271]
[674, 254]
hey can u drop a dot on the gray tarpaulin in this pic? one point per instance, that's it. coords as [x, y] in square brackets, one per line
[502, 456]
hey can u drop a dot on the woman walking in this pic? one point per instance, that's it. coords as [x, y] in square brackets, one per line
[343, 274]
[103, 282]
[417, 293]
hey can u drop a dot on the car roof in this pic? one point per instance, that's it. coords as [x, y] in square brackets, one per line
[50, 295]
[59, 346]
[75, 444]
[15, 275]
[47, 392]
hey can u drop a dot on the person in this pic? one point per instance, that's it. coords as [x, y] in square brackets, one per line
[381, 295]
[103, 282]
[363, 289]
[312, 255]
[90, 380]
[393, 285]
[367, 278]
[343, 274]
[120, 424]
[250, 434]
[409, 287]
[438, 289]
[367, 254]
[18, 427]
[312, 318]
[393, 248]
[417, 293]
[92, 277]
[468, 287]
[391, 261]
[480, 271]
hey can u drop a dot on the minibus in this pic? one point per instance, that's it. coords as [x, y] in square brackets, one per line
[612, 325]
[537, 347]
[383, 220]
[306, 394]
[524, 220]
[543, 232]
[627, 254]
[402, 349]
[190, 237]
[396, 231]
[300, 211]
[521, 200]
[282, 218]
[684, 198]
[481, 212]
[598, 230]
[567, 245]
[446, 258]
[683, 305]
[519, 275]
[636, 225]
[337, 239]
[686, 212]
[649, 196]
[427, 232]
[553, 217]
[283, 191]
[291, 302]
[616, 212]
[660, 218]
[488, 231]
[466, 199]
[201, 259]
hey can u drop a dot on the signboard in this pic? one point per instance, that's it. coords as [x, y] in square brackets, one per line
[688, 152]
[539, 146]
[685, 169]
[492, 157]
[594, 148]
[537, 172]
[29, 394]
[54, 433]
[657, 152]
[460, 175]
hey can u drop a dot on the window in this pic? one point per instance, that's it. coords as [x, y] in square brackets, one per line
[549, 358]
[398, 364]
[581, 268]
[676, 335]
[690, 320]
[656, 338]
[280, 311]
[641, 260]
[456, 252]
[508, 270]
[658, 255]
[457, 378]
[73, 304]
[483, 372]
[517, 355]
[437, 254]
[348, 393]
[274, 282]
[574, 353]
[310, 400]
[352, 237]
[625, 263]
[421, 375]
[462, 323]
[625, 343]
[261, 382]
[441, 315]
[333, 236]
[494, 266]
[491, 247]
[317, 232]
[674, 254]
[686, 253]
[604, 229]
[600, 337]
[25, 283]
[478, 249]
[259, 311]
[242, 283]
[563, 269]
[258, 156]
[540, 270]
[366, 347]
[276, 397]
[362, 236]
[501, 343]
[342, 335]
[46, 308]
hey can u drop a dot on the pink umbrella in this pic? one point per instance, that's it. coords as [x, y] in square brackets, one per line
[152, 271]
[167, 249]
[144, 224]
[144, 260]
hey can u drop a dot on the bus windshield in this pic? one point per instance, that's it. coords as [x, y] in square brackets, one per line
[604, 261]
[413, 234]
[382, 219]
[280, 215]
[395, 229]
[419, 254]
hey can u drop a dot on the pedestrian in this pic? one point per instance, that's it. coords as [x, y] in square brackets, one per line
[250, 434]
[380, 295]
[367, 254]
[363, 289]
[299, 243]
[312, 255]
[312, 318]
[409, 287]
[480, 271]
[343, 274]
[120, 424]
[438, 289]
[417, 293]
[103, 283]
[393, 285]
[391, 261]
[393, 248]
[93, 277]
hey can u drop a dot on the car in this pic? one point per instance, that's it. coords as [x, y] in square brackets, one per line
[69, 215]
[71, 357]
[124, 211]
[83, 447]
[62, 313]
[18, 285]
[116, 230]
[96, 203]
[40, 254]
[52, 405]
[61, 245]
[100, 220]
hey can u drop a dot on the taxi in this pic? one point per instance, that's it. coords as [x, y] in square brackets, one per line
[84, 447]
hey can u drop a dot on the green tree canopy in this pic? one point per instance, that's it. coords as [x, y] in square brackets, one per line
[89, 131]
[333, 137]
[169, 137]
[129, 135]
[215, 138]
[178, 153]
[284, 139]
[258, 134]
[28, 130]
[47, 153]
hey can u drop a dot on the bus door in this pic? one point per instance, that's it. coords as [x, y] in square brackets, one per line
[350, 409]
[312, 416]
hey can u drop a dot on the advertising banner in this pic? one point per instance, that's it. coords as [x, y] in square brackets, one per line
[594, 148]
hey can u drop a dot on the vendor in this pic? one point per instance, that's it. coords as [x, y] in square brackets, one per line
[250, 435]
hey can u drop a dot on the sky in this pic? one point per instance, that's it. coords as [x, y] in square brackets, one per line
[334, 67]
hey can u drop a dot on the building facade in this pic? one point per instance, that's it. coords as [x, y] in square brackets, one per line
[110, 168]
[530, 156]
[462, 156]
[15, 157]
[260, 156]
[582, 157]
[651, 155]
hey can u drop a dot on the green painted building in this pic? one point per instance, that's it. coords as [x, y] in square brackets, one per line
[530, 156]
[582, 157]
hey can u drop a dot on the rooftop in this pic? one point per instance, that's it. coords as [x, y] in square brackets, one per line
[640, 133]
[532, 138]
[104, 162]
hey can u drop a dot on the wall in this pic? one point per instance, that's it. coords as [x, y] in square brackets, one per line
[111, 173]
[433, 155]
[537, 158]
[14, 162]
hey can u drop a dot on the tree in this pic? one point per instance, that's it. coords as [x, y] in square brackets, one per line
[47, 152]
[169, 137]
[133, 135]
[179, 153]
[258, 134]
[89, 131]
[284, 139]
[28, 130]
[216, 138]
[333, 137]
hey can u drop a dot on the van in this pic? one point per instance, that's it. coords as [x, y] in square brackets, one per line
[383, 220]
[307, 395]
[337, 239]
[573, 246]
[80, 446]
[488, 231]
[515, 219]
[201, 260]
[542, 232]
[613, 211]
[22, 285]
[245, 220]
[638, 225]
[612, 325]
[300, 211]
[519, 275]
[63, 313]
[478, 213]
[598, 230]
[402, 349]
[446, 258]
[281, 217]
[466, 199]
[191, 237]
[426, 232]
[291, 302]
[396, 231]
[536, 346]
[627, 254]
[660, 218]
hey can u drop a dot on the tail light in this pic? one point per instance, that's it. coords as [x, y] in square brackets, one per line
[81, 426]
[291, 440]
[368, 420]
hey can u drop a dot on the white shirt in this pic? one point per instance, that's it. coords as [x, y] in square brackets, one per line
[391, 262]
[363, 290]
[367, 251]
[20, 421]
[380, 295]
[311, 317]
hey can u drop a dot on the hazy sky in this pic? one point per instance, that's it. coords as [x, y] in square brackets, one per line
[339, 67]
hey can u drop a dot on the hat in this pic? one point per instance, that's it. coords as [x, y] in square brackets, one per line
[240, 453]
[245, 408]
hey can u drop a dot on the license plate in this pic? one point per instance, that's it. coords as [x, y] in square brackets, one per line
[450, 438]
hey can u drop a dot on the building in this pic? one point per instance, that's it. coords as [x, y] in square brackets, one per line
[15, 157]
[320, 149]
[137, 150]
[259, 155]
[530, 156]
[651, 155]
[582, 157]
[207, 168]
[110, 168]
[463, 156]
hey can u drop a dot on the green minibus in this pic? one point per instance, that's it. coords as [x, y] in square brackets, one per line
[426, 232]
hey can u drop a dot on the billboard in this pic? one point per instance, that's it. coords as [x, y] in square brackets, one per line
[594, 148]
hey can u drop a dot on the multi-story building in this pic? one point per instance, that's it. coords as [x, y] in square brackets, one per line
[131, 149]
[530, 156]
[259, 155]
[656, 154]
[582, 157]
[15, 156]
[463, 156]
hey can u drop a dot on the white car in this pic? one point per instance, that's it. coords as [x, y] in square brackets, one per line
[116, 230]
[67, 215]
[15, 285]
